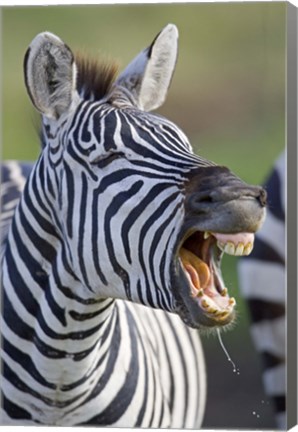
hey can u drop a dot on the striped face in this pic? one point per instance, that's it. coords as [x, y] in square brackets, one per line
[121, 199]
[140, 216]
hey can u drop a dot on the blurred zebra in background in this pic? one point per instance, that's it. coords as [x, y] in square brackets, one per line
[263, 283]
[14, 175]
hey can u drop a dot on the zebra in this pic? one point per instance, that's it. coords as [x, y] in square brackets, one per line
[111, 261]
[262, 278]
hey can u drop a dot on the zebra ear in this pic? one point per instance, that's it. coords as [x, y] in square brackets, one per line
[149, 75]
[50, 74]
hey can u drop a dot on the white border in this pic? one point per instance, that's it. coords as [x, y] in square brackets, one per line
[9, 3]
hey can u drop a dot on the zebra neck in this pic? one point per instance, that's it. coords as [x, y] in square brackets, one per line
[58, 318]
[61, 333]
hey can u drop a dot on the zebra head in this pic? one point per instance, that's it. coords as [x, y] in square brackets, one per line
[139, 216]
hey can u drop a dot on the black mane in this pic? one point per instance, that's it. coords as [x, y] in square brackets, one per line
[95, 77]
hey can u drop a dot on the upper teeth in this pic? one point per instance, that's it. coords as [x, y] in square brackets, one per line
[229, 247]
[237, 250]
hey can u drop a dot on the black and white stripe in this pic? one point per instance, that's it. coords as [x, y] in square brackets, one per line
[13, 179]
[263, 283]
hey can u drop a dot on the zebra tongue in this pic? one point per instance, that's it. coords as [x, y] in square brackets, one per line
[196, 268]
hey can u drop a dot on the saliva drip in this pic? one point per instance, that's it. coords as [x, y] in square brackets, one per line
[235, 369]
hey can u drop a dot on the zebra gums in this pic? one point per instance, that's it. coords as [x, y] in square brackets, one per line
[112, 258]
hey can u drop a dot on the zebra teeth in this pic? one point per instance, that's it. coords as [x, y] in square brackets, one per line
[236, 250]
[214, 311]
[224, 292]
[222, 315]
[235, 244]
[239, 249]
[230, 248]
[232, 301]
[211, 308]
[247, 249]
[206, 304]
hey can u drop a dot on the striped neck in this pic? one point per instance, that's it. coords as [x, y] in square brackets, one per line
[55, 310]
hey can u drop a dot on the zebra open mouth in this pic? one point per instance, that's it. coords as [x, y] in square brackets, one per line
[199, 257]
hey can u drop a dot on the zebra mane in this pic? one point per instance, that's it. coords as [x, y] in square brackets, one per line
[95, 77]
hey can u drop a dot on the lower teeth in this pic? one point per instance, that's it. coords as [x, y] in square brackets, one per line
[212, 308]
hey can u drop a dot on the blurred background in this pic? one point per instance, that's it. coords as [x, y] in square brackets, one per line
[228, 95]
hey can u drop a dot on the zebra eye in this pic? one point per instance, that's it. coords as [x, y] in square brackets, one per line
[105, 159]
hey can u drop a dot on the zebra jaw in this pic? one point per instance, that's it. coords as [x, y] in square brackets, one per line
[200, 257]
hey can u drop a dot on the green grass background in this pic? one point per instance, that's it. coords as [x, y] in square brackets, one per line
[228, 91]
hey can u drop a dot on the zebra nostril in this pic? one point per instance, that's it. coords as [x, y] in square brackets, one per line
[204, 198]
[196, 202]
[263, 197]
